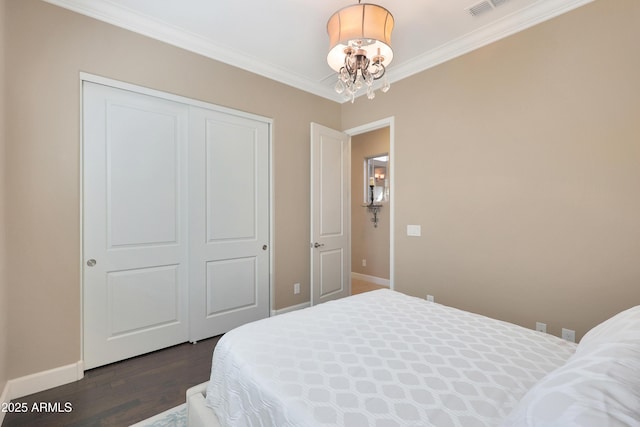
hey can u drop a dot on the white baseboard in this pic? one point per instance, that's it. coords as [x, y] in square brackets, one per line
[44, 380]
[291, 308]
[373, 279]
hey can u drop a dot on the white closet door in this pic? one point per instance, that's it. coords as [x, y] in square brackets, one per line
[229, 220]
[135, 224]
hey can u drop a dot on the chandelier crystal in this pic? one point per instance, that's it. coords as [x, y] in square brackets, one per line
[360, 48]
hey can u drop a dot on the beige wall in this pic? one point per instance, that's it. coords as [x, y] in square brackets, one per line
[47, 48]
[521, 161]
[4, 306]
[368, 242]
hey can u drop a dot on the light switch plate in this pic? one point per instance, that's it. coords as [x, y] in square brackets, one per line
[414, 230]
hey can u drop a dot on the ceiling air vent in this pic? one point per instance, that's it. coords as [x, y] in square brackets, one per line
[484, 7]
[480, 8]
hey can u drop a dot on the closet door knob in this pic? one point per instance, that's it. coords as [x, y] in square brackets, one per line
[91, 262]
[264, 247]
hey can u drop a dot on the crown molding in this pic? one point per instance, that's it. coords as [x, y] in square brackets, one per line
[133, 21]
[507, 26]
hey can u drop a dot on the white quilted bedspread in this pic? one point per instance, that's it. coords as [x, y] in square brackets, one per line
[377, 359]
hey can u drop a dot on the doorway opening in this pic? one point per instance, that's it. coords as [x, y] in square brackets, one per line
[372, 236]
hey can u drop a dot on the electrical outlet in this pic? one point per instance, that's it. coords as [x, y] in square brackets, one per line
[364, 262]
[296, 288]
[541, 327]
[569, 335]
[430, 298]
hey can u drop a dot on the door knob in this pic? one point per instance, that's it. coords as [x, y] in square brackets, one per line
[264, 247]
[318, 245]
[91, 262]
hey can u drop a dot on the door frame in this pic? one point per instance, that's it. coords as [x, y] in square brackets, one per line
[87, 77]
[368, 127]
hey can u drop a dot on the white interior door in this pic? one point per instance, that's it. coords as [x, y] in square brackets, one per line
[229, 220]
[330, 214]
[135, 230]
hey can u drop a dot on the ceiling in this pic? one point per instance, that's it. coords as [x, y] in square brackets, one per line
[286, 40]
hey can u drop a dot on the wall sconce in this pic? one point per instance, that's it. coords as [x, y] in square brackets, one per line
[371, 207]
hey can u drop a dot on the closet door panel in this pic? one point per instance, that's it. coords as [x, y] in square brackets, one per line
[229, 219]
[232, 181]
[134, 224]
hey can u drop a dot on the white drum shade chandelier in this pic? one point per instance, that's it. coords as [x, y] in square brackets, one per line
[360, 47]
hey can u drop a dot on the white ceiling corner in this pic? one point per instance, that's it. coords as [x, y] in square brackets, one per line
[286, 40]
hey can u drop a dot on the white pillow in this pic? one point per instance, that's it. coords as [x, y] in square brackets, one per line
[624, 326]
[600, 388]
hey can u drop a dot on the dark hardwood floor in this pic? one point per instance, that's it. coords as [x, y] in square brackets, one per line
[125, 392]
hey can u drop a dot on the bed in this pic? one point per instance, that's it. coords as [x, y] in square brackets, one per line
[383, 359]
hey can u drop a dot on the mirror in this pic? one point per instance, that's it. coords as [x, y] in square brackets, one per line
[377, 174]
